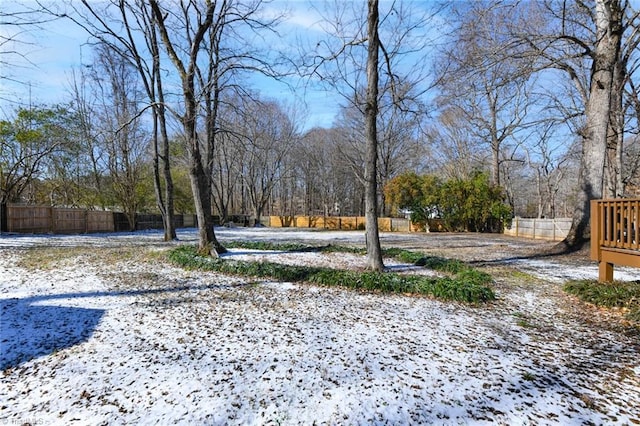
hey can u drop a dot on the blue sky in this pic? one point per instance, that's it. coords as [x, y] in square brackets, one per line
[54, 51]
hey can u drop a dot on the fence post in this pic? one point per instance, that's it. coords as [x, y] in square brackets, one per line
[52, 221]
[4, 218]
[596, 231]
[534, 229]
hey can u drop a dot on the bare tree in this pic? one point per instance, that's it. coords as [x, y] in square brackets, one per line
[606, 52]
[338, 62]
[120, 130]
[493, 92]
[219, 38]
[454, 152]
[550, 170]
[269, 135]
[83, 102]
[118, 24]
[153, 84]
[196, 21]
[226, 179]
[374, 251]
[564, 36]
[18, 19]
[624, 97]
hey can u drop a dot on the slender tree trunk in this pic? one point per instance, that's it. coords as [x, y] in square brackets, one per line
[164, 199]
[495, 143]
[167, 203]
[608, 19]
[199, 177]
[169, 207]
[201, 189]
[374, 251]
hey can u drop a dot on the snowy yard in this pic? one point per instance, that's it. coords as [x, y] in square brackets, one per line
[103, 331]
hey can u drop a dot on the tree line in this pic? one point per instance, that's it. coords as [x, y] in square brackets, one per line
[535, 102]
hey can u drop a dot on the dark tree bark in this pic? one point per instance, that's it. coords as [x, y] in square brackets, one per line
[374, 251]
[198, 175]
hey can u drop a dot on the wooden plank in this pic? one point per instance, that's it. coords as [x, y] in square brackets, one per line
[596, 221]
[100, 221]
[605, 272]
[621, 257]
[635, 232]
[28, 219]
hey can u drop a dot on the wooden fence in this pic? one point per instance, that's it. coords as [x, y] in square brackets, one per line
[30, 219]
[40, 219]
[614, 235]
[547, 229]
[43, 219]
[347, 223]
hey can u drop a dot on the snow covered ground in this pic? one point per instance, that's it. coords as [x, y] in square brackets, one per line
[87, 339]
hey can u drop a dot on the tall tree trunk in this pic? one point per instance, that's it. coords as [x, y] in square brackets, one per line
[199, 177]
[616, 125]
[163, 153]
[374, 251]
[608, 19]
[165, 200]
[169, 223]
[200, 186]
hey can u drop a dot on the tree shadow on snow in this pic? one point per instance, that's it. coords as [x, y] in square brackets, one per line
[30, 330]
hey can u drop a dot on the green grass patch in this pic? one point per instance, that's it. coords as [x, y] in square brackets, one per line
[522, 320]
[618, 294]
[440, 264]
[467, 286]
[266, 245]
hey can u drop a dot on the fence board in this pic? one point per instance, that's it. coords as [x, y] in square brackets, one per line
[28, 219]
[547, 229]
[99, 221]
[400, 225]
[385, 224]
[189, 220]
[68, 221]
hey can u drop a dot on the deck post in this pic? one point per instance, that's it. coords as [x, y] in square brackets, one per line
[595, 230]
[605, 271]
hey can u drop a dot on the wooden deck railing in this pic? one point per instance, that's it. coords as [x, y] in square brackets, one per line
[615, 237]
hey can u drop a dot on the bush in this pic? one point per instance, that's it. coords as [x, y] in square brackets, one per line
[471, 204]
[464, 287]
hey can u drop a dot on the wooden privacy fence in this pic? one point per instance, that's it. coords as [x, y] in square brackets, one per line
[614, 235]
[43, 219]
[347, 223]
[547, 229]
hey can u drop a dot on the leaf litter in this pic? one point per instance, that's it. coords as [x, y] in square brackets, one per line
[122, 342]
